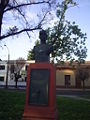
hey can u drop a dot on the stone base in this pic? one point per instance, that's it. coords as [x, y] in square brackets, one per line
[37, 119]
[42, 112]
[25, 118]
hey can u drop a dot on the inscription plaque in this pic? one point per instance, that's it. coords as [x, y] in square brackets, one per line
[39, 85]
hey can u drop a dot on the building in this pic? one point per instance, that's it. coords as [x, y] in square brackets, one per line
[66, 75]
[3, 72]
[8, 70]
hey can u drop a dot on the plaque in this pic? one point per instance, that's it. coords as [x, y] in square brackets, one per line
[39, 86]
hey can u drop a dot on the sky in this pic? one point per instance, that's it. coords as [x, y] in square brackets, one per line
[19, 46]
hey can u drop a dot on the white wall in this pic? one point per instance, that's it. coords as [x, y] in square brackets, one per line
[3, 72]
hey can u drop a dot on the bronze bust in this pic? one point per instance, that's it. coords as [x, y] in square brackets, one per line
[43, 50]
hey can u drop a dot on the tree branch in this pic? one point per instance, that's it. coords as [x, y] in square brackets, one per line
[40, 23]
[18, 32]
[25, 4]
[23, 17]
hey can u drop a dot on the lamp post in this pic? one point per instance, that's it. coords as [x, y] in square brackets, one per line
[7, 66]
[2, 49]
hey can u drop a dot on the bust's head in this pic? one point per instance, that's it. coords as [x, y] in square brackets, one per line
[43, 36]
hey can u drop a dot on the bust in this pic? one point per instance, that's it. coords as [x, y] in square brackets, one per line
[43, 50]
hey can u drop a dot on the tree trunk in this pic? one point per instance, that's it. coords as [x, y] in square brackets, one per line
[83, 84]
[3, 5]
[1, 16]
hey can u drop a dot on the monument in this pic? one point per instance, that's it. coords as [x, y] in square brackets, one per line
[43, 50]
[40, 101]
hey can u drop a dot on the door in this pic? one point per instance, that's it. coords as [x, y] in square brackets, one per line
[67, 80]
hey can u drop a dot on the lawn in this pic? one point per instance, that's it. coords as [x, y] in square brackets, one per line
[72, 109]
[85, 96]
[12, 106]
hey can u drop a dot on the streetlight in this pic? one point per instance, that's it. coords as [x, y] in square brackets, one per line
[7, 66]
[8, 52]
[2, 48]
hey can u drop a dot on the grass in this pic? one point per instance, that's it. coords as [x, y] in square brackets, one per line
[72, 109]
[85, 96]
[12, 107]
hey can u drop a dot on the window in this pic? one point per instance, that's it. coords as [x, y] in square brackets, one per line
[2, 67]
[67, 80]
[1, 78]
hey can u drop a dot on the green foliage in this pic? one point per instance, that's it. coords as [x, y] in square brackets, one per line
[22, 72]
[30, 55]
[37, 42]
[68, 37]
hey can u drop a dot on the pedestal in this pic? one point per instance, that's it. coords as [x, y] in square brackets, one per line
[40, 101]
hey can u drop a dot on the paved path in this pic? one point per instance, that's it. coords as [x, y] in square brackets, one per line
[73, 92]
[76, 97]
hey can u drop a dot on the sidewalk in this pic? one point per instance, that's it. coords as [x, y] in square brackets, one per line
[72, 89]
[11, 85]
[76, 97]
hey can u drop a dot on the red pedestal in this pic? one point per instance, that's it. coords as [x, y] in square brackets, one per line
[42, 112]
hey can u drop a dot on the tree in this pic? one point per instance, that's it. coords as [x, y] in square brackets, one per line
[16, 15]
[68, 38]
[82, 74]
[30, 55]
[20, 62]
